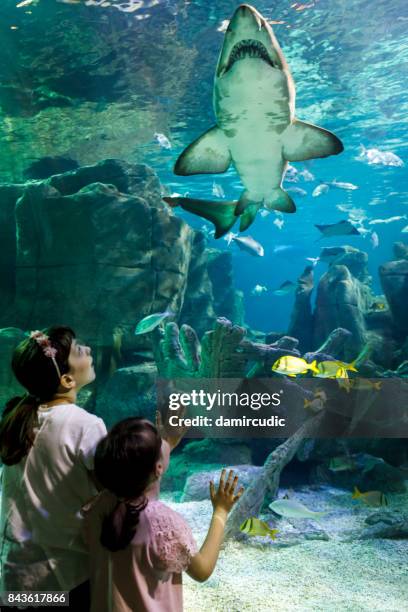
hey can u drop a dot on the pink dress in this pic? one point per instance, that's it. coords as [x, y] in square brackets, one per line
[146, 576]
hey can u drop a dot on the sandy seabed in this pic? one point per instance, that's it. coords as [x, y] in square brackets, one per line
[308, 576]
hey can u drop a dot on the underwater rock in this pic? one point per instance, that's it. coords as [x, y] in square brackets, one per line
[400, 250]
[71, 260]
[333, 347]
[394, 281]
[370, 473]
[199, 295]
[208, 453]
[9, 194]
[301, 321]
[392, 451]
[224, 352]
[341, 301]
[267, 482]
[197, 485]
[9, 338]
[354, 259]
[133, 179]
[228, 302]
[48, 166]
[130, 392]
[386, 523]
[221, 451]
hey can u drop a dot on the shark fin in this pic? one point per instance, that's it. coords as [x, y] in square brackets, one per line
[208, 154]
[221, 214]
[303, 141]
[245, 201]
[248, 216]
[280, 200]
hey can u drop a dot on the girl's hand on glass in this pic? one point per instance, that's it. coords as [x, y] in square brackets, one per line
[225, 496]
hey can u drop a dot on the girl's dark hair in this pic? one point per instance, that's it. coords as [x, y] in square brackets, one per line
[38, 374]
[124, 462]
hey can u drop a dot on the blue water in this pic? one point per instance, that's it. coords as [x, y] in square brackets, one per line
[349, 63]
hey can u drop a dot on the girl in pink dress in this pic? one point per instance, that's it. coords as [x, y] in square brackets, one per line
[138, 546]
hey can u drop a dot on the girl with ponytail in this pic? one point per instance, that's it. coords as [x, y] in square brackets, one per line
[47, 444]
[138, 546]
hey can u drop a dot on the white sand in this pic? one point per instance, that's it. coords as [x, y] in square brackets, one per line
[310, 576]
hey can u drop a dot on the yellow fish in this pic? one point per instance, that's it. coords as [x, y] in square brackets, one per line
[378, 306]
[256, 527]
[371, 498]
[348, 366]
[291, 366]
[364, 384]
[331, 369]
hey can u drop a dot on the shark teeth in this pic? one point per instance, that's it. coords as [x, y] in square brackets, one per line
[248, 48]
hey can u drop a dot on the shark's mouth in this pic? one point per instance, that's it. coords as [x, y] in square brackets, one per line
[248, 48]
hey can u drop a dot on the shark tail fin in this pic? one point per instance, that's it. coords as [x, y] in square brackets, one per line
[221, 214]
[280, 200]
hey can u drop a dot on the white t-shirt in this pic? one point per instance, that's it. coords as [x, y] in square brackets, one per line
[41, 547]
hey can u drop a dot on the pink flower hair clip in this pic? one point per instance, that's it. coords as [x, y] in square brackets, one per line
[44, 342]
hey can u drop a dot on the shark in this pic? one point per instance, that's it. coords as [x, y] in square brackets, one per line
[256, 129]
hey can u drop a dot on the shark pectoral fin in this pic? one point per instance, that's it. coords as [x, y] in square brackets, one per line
[280, 200]
[248, 216]
[303, 141]
[208, 154]
[221, 214]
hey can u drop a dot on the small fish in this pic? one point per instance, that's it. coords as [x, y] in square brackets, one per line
[27, 3]
[163, 141]
[342, 228]
[292, 366]
[340, 185]
[320, 190]
[342, 464]
[365, 384]
[333, 369]
[218, 190]
[378, 306]
[259, 289]
[285, 288]
[306, 175]
[247, 244]
[388, 220]
[291, 174]
[265, 213]
[297, 191]
[279, 223]
[147, 324]
[375, 241]
[256, 527]
[375, 156]
[371, 498]
[289, 508]
[346, 366]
